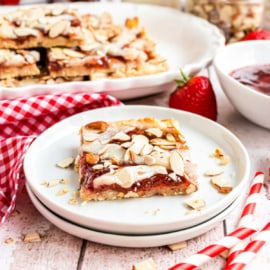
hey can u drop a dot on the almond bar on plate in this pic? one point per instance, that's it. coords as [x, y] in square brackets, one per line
[134, 158]
[18, 63]
[42, 26]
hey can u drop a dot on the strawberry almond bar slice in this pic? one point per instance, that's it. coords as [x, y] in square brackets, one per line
[18, 63]
[134, 158]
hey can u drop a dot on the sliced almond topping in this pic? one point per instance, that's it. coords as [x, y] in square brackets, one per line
[177, 163]
[177, 246]
[149, 160]
[161, 142]
[181, 138]
[90, 136]
[147, 149]
[196, 204]
[58, 28]
[170, 137]
[91, 158]
[132, 155]
[157, 132]
[98, 167]
[65, 163]
[73, 53]
[99, 125]
[148, 264]
[24, 32]
[138, 143]
[173, 176]
[121, 136]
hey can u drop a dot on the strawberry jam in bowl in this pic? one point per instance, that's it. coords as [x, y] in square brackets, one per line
[243, 70]
[257, 77]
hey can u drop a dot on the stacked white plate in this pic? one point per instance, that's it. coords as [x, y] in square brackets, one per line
[134, 222]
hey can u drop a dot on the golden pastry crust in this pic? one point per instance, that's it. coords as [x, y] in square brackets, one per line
[134, 158]
[18, 63]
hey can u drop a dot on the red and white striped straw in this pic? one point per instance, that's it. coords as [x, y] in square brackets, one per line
[250, 251]
[215, 249]
[247, 215]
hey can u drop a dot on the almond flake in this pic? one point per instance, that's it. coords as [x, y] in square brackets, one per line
[147, 149]
[170, 137]
[15, 213]
[73, 201]
[121, 136]
[63, 181]
[149, 160]
[65, 163]
[157, 132]
[221, 184]
[31, 237]
[196, 204]
[73, 53]
[177, 163]
[133, 156]
[91, 158]
[224, 160]
[148, 264]
[177, 246]
[58, 28]
[62, 191]
[9, 240]
[52, 183]
[214, 172]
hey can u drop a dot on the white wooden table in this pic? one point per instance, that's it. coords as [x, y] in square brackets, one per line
[59, 250]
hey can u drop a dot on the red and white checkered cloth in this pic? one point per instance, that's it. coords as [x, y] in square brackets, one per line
[21, 120]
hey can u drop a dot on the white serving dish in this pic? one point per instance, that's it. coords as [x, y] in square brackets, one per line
[186, 41]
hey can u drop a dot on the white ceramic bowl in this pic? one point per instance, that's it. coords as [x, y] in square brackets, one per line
[252, 104]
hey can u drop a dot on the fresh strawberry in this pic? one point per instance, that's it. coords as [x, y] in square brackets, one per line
[195, 95]
[256, 34]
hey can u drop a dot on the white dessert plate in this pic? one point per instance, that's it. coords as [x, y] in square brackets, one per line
[141, 215]
[186, 41]
[131, 241]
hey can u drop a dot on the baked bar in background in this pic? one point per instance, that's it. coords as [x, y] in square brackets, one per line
[18, 63]
[43, 26]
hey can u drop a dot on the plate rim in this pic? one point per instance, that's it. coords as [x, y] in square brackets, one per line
[129, 241]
